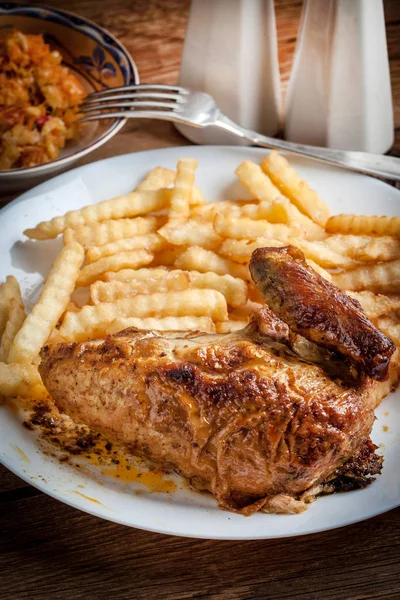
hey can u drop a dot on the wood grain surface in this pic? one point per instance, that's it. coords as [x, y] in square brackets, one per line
[49, 551]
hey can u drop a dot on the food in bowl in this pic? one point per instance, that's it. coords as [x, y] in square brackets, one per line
[39, 99]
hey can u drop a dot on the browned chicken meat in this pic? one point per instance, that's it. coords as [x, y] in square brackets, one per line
[262, 418]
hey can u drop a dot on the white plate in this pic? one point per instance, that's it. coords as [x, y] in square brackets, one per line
[184, 512]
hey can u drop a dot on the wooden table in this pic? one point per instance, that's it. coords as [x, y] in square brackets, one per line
[50, 551]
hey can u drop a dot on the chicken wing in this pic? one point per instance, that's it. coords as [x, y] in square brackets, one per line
[320, 311]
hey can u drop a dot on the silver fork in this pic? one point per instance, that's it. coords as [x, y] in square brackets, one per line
[182, 105]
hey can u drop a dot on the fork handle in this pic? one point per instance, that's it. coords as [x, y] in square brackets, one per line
[373, 164]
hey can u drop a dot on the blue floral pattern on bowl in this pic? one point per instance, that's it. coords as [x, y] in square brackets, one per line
[97, 65]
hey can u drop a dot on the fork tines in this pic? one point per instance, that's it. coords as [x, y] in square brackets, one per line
[143, 97]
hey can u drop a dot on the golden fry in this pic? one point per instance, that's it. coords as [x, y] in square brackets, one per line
[151, 242]
[362, 224]
[53, 300]
[165, 324]
[8, 290]
[157, 178]
[16, 317]
[196, 258]
[197, 198]
[92, 321]
[255, 180]
[122, 207]
[378, 249]
[347, 245]
[244, 228]
[99, 234]
[208, 211]
[241, 250]
[191, 233]
[376, 305]
[380, 278]
[242, 313]
[137, 275]
[273, 212]
[183, 188]
[230, 326]
[281, 210]
[115, 262]
[323, 255]
[289, 182]
[21, 380]
[390, 327]
[160, 177]
[109, 291]
[233, 288]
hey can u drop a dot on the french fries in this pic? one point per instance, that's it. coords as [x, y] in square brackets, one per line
[92, 321]
[259, 184]
[110, 291]
[191, 232]
[234, 289]
[390, 327]
[124, 206]
[281, 210]
[378, 249]
[157, 178]
[21, 380]
[151, 242]
[196, 258]
[242, 312]
[365, 248]
[182, 191]
[230, 326]
[322, 254]
[362, 224]
[380, 278]
[273, 212]
[53, 300]
[99, 234]
[244, 228]
[115, 262]
[9, 290]
[376, 305]
[225, 207]
[241, 250]
[159, 258]
[165, 324]
[139, 274]
[291, 185]
[16, 317]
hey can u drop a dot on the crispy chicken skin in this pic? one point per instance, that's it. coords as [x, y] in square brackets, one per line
[245, 415]
[320, 311]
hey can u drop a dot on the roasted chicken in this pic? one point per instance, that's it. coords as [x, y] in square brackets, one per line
[264, 418]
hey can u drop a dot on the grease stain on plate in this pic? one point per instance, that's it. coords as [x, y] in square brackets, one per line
[21, 454]
[89, 498]
[128, 473]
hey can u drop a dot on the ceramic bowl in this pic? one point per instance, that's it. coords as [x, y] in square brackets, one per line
[98, 59]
